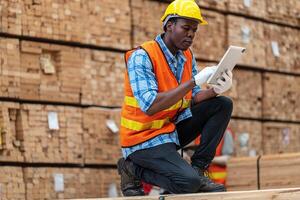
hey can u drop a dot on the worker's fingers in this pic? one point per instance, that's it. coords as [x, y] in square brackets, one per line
[229, 73]
[220, 82]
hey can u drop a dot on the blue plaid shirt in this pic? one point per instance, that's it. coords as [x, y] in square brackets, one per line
[144, 87]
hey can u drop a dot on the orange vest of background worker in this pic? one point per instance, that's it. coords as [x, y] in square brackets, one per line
[218, 172]
[136, 126]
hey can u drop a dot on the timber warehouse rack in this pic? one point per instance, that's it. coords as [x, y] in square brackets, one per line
[61, 92]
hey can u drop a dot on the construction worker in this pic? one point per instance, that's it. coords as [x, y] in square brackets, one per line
[164, 109]
[217, 170]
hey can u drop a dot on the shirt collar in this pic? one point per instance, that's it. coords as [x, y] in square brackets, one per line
[169, 56]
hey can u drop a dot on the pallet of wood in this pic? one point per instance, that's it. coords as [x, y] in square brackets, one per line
[65, 183]
[11, 139]
[101, 136]
[10, 67]
[248, 33]
[51, 134]
[248, 139]
[97, 22]
[12, 183]
[246, 93]
[280, 171]
[286, 13]
[103, 78]
[281, 97]
[282, 48]
[50, 72]
[280, 137]
[247, 7]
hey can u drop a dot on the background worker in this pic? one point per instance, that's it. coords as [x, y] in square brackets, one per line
[217, 170]
[164, 109]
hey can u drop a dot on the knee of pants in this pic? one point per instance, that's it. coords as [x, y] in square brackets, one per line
[191, 185]
[226, 103]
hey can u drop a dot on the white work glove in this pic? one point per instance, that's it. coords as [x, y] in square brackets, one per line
[204, 75]
[224, 83]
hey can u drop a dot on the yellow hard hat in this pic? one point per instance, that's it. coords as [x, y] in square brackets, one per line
[183, 8]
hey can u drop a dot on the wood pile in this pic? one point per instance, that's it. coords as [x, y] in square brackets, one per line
[275, 171]
[11, 183]
[282, 48]
[249, 34]
[242, 174]
[248, 139]
[11, 149]
[254, 8]
[61, 88]
[101, 145]
[281, 137]
[280, 171]
[65, 183]
[96, 22]
[281, 97]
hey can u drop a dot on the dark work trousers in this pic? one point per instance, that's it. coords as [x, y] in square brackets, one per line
[164, 167]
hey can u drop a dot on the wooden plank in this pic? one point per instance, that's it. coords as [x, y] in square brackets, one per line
[242, 174]
[280, 171]
[272, 194]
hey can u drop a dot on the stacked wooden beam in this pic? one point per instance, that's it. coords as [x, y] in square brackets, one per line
[281, 97]
[281, 137]
[96, 22]
[242, 174]
[248, 139]
[287, 13]
[250, 34]
[11, 183]
[10, 127]
[280, 171]
[282, 48]
[254, 8]
[52, 134]
[101, 144]
[61, 183]
[103, 78]
[10, 67]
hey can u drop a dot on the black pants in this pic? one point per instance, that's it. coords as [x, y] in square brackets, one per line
[163, 166]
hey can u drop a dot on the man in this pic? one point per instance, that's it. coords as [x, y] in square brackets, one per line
[164, 110]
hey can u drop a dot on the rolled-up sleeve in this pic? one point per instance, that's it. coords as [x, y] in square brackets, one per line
[196, 89]
[142, 79]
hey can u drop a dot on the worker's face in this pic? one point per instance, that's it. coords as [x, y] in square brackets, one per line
[183, 33]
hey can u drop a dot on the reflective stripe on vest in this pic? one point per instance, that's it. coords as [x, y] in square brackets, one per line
[131, 101]
[217, 175]
[138, 126]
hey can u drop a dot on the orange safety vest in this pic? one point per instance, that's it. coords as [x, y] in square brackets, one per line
[217, 173]
[138, 127]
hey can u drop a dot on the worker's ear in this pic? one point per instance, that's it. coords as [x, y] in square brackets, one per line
[169, 26]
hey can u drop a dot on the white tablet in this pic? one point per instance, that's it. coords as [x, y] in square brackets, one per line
[229, 60]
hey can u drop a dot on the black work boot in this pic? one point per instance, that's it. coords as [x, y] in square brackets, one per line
[207, 185]
[130, 185]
